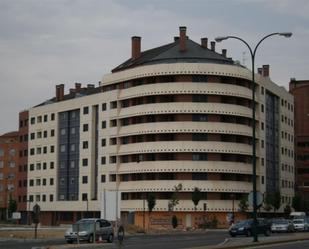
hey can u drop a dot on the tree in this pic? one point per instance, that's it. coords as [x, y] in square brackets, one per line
[151, 202]
[196, 197]
[12, 206]
[296, 203]
[174, 198]
[268, 202]
[243, 204]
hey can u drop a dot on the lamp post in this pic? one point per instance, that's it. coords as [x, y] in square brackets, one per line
[253, 53]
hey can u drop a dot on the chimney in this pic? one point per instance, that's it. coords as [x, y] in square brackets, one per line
[182, 39]
[176, 38]
[224, 52]
[59, 92]
[213, 45]
[266, 70]
[260, 71]
[136, 47]
[78, 86]
[204, 42]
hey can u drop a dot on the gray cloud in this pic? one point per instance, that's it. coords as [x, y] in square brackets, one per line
[45, 42]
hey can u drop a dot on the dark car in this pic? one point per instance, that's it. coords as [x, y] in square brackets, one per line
[244, 227]
[90, 229]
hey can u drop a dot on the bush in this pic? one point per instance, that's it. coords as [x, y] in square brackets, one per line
[174, 221]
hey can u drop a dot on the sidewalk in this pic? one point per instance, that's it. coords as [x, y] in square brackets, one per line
[241, 242]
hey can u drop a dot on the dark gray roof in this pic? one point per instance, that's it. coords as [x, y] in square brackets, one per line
[171, 53]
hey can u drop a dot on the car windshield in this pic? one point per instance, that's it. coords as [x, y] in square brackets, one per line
[243, 223]
[83, 226]
[280, 222]
[298, 221]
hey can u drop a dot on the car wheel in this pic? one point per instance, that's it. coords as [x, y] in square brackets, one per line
[267, 232]
[248, 233]
[90, 239]
[110, 238]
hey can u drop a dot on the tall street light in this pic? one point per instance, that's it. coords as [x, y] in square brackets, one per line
[253, 53]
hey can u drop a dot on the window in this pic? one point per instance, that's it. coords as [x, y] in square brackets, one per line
[12, 152]
[31, 167]
[38, 166]
[12, 164]
[1, 152]
[38, 182]
[52, 116]
[31, 182]
[44, 149]
[199, 98]
[32, 120]
[52, 133]
[39, 150]
[72, 147]
[199, 157]
[62, 181]
[104, 107]
[44, 165]
[62, 148]
[262, 108]
[102, 178]
[113, 123]
[39, 119]
[103, 160]
[199, 117]
[85, 179]
[112, 159]
[31, 151]
[84, 197]
[112, 178]
[45, 118]
[51, 165]
[52, 149]
[85, 161]
[51, 198]
[62, 131]
[51, 181]
[113, 141]
[262, 126]
[39, 134]
[86, 110]
[85, 127]
[103, 124]
[103, 142]
[85, 144]
[113, 104]
[44, 182]
[1, 164]
[45, 134]
[262, 90]
[72, 164]
[32, 136]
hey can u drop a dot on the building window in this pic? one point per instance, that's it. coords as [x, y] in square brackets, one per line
[62, 131]
[31, 182]
[103, 124]
[72, 147]
[32, 120]
[45, 118]
[62, 148]
[113, 104]
[44, 182]
[262, 108]
[85, 127]
[39, 119]
[104, 107]
[51, 198]
[72, 164]
[199, 157]
[103, 142]
[12, 164]
[84, 197]
[52, 149]
[39, 134]
[102, 178]
[85, 161]
[52, 116]
[32, 136]
[39, 150]
[51, 165]
[103, 160]
[38, 182]
[52, 133]
[86, 110]
[112, 178]
[85, 144]
[112, 159]
[199, 117]
[45, 134]
[85, 179]
[51, 181]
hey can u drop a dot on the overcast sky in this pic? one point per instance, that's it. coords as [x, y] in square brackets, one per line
[48, 42]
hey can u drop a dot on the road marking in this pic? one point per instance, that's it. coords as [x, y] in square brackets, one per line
[224, 242]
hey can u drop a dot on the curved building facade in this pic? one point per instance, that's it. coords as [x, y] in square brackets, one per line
[176, 115]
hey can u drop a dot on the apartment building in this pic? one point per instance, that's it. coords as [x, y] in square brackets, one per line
[9, 147]
[300, 91]
[177, 114]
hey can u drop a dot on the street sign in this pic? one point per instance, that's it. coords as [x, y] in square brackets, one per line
[259, 198]
[16, 215]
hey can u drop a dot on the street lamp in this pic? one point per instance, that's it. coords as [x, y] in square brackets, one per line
[253, 53]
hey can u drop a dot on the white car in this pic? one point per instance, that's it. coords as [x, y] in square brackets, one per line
[300, 224]
[282, 225]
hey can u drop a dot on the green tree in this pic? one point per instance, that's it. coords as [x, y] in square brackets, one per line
[12, 206]
[268, 202]
[196, 197]
[174, 198]
[151, 202]
[243, 204]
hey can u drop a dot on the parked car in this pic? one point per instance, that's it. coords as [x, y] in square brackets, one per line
[301, 224]
[90, 229]
[282, 225]
[244, 227]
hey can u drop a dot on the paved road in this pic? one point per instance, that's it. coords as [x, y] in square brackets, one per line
[290, 245]
[170, 241]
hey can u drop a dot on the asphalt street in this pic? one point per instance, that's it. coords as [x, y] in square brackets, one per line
[290, 245]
